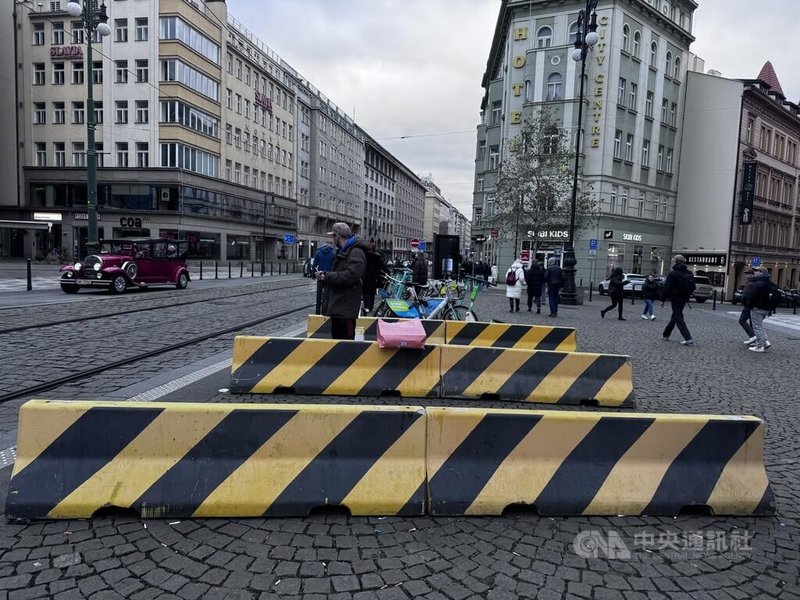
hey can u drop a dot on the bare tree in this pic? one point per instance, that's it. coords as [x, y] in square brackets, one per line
[534, 185]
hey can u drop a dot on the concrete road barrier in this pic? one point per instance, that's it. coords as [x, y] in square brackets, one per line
[481, 461]
[319, 327]
[507, 335]
[181, 460]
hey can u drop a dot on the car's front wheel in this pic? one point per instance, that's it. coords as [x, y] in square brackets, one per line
[68, 286]
[119, 284]
[183, 281]
[700, 300]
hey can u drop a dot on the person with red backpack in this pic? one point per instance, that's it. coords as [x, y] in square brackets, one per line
[515, 281]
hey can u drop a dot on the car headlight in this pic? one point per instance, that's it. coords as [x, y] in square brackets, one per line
[78, 266]
[97, 266]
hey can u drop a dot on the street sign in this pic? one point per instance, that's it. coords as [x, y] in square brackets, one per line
[593, 245]
[608, 234]
[288, 238]
[495, 233]
[422, 246]
[525, 255]
[756, 262]
[415, 243]
[592, 254]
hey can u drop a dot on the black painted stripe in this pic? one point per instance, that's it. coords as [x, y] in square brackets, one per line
[397, 368]
[591, 381]
[73, 458]
[767, 504]
[330, 367]
[581, 475]
[528, 377]
[263, 361]
[555, 338]
[468, 369]
[371, 331]
[695, 472]
[510, 336]
[183, 488]
[324, 330]
[468, 333]
[457, 483]
[332, 474]
[416, 504]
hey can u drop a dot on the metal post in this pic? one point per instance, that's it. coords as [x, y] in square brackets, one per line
[216, 273]
[201, 270]
[241, 269]
[591, 288]
[714, 301]
[253, 270]
[91, 154]
[229, 269]
[30, 282]
[270, 268]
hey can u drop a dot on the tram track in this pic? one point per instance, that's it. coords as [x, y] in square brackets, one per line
[150, 353]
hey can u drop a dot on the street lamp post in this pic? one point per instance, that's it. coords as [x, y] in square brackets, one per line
[586, 37]
[94, 19]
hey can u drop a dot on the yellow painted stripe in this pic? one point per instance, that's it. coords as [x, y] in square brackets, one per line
[447, 429]
[532, 338]
[364, 368]
[502, 368]
[315, 322]
[451, 354]
[294, 366]
[254, 486]
[526, 471]
[559, 380]
[617, 388]
[392, 480]
[570, 343]
[635, 477]
[41, 422]
[743, 480]
[489, 335]
[438, 336]
[142, 462]
[424, 377]
[244, 346]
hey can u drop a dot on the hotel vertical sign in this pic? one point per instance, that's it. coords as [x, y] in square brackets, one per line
[748, 191]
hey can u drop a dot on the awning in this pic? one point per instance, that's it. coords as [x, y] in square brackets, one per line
[25, 225]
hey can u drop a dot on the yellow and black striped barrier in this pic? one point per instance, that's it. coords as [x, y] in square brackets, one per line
[507, 335]
[263, 365]
[481, 461]
[181, 460]
[537, 376]
[319, 327]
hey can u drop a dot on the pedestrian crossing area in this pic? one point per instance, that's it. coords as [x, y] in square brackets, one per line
[786, 320]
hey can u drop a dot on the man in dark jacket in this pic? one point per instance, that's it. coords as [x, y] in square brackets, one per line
[343, 284]
[554, 278]
[374, 276]
[616, 290]
[534, 279]
[756, 297]
[323, 261]
[678, 289]
[419, 272]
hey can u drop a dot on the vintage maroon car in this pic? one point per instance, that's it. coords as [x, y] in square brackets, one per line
[136, 262]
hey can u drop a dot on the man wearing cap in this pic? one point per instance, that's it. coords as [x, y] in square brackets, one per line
[678, 289]
[756, 298]
[344, 282]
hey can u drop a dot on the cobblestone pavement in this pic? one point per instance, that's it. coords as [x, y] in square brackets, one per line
[516, 556]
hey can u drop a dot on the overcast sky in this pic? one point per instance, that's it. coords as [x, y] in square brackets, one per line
[414, 67]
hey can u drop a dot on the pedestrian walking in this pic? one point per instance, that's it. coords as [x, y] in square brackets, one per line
[554, 277]
[515, 280]
[419, 272]
[616, 290]
[534, 279]
[756, 297]
[744, 316]
[678, 289]
[649, 295]
[323, 262]
[344, 282]
[373, 277]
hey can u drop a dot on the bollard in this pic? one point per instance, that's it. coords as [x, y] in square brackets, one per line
[241, 269]
[591, 289]
[252, 269]
[280, 267]
[30, 282]
[581, 283]
[714, 301]
[229, 269]
[216, 270]
[270, 268]
[722, 297]
[201, 270]
[794, 309]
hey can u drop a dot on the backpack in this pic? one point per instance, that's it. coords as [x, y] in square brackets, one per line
[511, 277]
[684, 286]
[774, 297]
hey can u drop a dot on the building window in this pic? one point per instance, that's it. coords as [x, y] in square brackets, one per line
[39, 113]
[481, 150]
[640, 205]
[58, 73]
[637, 40]
[142, 111]
[544, 37]
[668, 64]
[142, 155]
[554, 87]
[59, 116]
[629, 148]
[664, 108]
[751, 123]
[121, 111]
[38, 73]
[38, 34]
[673, 114]
[120, 30]
[497, 108]
[494, 157]
[766, 139]
[623, 200]
[645, 154]
[228, 169]
[660, 159]
[669, 160]
[142, 29]
[40, 154]
[229, 134]
[626, 34]
[632, 96]
[229, 99]
[121, 70]
[77, 72]
[573, 33]
[142, 70]
[122, 154]
[677, 73]
[78, 33]
[78, 113]
[98, 112]
[58, 33]
[238, 104]
[621, 91]
[99, 154]
[97, 72]
[60, 154]
[654, 55]
[618, 144]
[78, 155]
[237, 138]
[612, 200]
